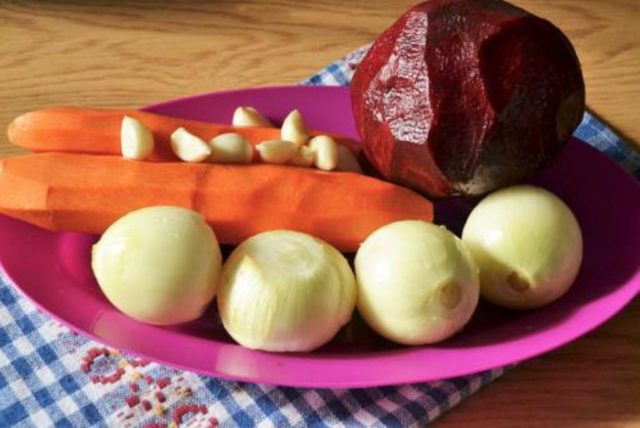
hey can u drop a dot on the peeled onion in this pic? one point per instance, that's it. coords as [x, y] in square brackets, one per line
[285, 291]
[158, 265]
[527, 244]
[417, 283]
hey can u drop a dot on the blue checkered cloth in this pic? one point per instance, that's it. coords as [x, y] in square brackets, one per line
[45, 379]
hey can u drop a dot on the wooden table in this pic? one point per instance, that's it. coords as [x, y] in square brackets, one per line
[134, 53]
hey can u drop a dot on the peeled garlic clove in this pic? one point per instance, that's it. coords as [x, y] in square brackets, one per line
[303, 157]
[136, 140]
[294, 129]
[285, 291]
[417, 283]
[326, 151]
[347, 160]
[276, 151]
[188, 147]
[527, 244]
[249, 116]
[230, 148]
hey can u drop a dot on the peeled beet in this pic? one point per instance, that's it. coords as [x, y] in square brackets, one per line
[465, 96]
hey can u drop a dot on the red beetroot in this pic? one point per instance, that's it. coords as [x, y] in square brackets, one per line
[464, 96]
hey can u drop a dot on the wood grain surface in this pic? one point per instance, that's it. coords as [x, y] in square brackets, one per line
[131, 53]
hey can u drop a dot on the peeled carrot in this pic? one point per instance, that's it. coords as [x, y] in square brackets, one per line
[97, 131]
[87, 193]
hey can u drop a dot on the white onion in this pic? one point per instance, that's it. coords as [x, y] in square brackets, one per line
[285, 291]
[417, 284]
[527, 244]
[159, 264]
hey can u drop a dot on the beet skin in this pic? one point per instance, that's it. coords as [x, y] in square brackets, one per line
[459, 97]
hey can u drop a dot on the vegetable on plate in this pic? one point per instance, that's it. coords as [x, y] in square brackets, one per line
[417, 283]
[159, 265]
[86, 193]
[527, 244]
[461, 97]
[97, 131]
[285, 291]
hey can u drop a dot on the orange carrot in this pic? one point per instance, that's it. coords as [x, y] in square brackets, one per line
[97, 131]
[87, 193]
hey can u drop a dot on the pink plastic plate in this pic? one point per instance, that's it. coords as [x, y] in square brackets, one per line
[53, 270]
